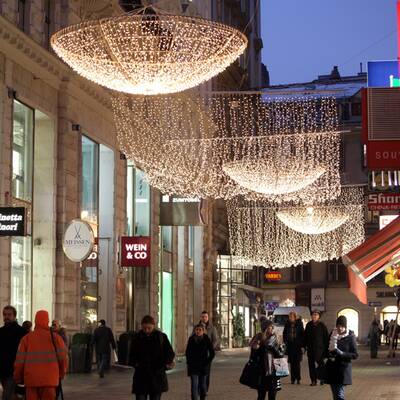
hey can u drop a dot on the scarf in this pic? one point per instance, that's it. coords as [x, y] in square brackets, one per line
[335, 337]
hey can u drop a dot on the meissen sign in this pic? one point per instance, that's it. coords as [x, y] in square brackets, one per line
[12, 221]
[383, 201]
[78, 240]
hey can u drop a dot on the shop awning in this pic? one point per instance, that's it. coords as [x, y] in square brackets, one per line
[372, 257]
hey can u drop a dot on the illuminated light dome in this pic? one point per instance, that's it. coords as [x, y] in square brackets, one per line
[271, 178]
[149, 53]
[313, 220]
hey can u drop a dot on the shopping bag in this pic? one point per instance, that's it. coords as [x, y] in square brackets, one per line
[251, 375]
[281, 366]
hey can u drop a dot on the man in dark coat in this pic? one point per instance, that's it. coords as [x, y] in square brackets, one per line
[103, 340]
[199, 355]
[316, 341]
[293, 337]
[151, 355]
[342, 349]
[10, 336]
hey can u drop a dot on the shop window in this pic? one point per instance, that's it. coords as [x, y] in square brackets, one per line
[22, 178]
[337, 271]
[389, 313]
[352, 319]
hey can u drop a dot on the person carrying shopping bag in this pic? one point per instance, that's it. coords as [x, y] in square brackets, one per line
[265, 357]
[199, 355]
[342, 349]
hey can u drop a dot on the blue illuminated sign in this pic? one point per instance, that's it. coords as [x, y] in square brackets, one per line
[383, 74]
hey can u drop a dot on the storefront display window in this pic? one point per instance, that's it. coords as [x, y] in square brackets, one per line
[22, 178]
[89, 213]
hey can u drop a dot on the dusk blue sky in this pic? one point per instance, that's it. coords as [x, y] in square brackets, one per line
[305, 38]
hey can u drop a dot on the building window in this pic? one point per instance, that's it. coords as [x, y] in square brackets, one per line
[23, 14]
[337, 271]
[301, 273]
[22, 178]
[352, 317]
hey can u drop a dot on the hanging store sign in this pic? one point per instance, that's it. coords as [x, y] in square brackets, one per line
[135, 251]
[272, 276]
[318, 299]
[78, 240]
[383, 154]
[12, 221]
[383, 201]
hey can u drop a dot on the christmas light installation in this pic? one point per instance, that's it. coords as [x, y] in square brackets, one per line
[148, 51]
[226, 144]
[256, 232]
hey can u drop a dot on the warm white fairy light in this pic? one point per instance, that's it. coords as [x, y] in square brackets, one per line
[256, 233]
[149, 54]
[224, 145]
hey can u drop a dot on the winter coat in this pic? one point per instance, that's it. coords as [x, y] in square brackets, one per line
[199, 355]
[103, 340]
[293, 337]
[212, 333]
[10, 337]
[37, 363]
[374, 335]
[150, 355]
[316, 340]
[339, 364]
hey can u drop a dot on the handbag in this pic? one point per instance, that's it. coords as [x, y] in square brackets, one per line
[281, 367]
[251, 375]
[59, 389]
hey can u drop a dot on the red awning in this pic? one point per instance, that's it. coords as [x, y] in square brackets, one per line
[370, 258]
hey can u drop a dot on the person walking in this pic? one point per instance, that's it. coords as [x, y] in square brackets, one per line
[10, 336]
[342, 349]
[56, 327]
[264, 348]
[103, 340]
[293, 337]
[151, 355]
[199, 355]
[41, 361]
[211, 330]
[374, 338]
[316, 341]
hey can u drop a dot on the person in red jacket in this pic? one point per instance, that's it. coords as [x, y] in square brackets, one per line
[41, 360]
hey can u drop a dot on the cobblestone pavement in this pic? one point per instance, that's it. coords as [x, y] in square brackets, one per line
[372, 380]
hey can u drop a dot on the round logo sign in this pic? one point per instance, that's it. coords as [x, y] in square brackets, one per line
[78, 240]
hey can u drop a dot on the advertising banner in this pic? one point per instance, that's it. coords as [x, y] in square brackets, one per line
[135, 251]
[78, 240]
[318, 299]
[383, 154]
[383, 201]
[12, 221]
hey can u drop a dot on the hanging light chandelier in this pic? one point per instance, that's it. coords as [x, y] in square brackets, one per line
[226, 144]
[256, 231]
[149, 52]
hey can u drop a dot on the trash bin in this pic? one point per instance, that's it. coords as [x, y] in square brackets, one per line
[81, 353]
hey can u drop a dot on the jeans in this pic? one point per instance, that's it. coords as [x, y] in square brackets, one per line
[103, 362]
[337, 391]
[8, 384]
[199, 386]
[262, 394]
[148, 396]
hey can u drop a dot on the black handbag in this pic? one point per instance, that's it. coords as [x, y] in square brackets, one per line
[251, 375]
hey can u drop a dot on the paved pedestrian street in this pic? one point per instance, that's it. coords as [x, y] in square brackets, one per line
[372, 380]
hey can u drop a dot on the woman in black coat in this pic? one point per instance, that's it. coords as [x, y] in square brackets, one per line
[342, 349]
[264, 348]
[293, 337]
[151, 355]
[199, 355]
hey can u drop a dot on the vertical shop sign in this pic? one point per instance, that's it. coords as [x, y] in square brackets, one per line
[135, 251]
[318, 299]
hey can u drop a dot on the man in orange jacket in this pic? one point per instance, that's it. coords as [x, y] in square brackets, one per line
[41, 360]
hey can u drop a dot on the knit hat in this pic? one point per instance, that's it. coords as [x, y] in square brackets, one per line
[342, 321]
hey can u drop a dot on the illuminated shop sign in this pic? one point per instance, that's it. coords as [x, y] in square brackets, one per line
[273, 276]
[383, 201]
[12, 221]
[135, 251]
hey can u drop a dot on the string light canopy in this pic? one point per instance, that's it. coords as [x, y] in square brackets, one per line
[148, 51]
[256, 232]
[226, 144]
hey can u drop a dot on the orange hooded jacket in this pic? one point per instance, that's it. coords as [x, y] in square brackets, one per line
[37, 363]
